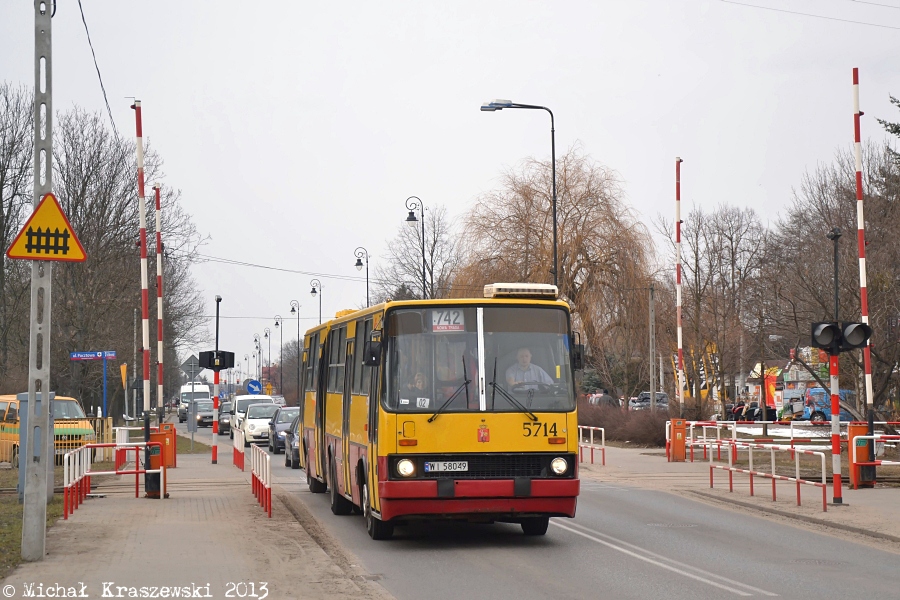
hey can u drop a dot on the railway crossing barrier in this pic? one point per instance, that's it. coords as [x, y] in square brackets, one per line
[772, 448]
[237, 454]
[261, 470]
[586, 440]
[77, 472]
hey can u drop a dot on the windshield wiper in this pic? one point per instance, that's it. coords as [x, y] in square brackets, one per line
[463, 385]
[513, 401]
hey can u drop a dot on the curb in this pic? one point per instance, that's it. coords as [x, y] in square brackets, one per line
[804, 518]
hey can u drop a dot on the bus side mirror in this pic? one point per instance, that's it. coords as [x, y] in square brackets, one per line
[578, 357]
[372, 354]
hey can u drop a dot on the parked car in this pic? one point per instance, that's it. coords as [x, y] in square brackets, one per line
[642, 402]
[817, 405]
[292, 444]
[239, 408]
[255, 423]
[281, 420]
[225, 417]
[603, 399]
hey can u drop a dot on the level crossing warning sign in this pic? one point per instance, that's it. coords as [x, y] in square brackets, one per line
[47, 235]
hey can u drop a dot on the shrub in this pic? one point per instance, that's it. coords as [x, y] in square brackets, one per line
[640, 427]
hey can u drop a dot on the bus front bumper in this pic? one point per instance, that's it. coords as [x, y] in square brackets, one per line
[496, 498]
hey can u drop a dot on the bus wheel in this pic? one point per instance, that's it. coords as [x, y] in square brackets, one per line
[315, 486]
[535, 525]
[378, 529]
[339, 504]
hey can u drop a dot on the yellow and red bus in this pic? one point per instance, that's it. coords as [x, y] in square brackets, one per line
[445, 409]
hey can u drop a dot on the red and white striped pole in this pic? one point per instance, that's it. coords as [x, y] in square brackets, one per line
[861, 240]
[835, 426]
[160, 397]
[145, 297]
[680, 382]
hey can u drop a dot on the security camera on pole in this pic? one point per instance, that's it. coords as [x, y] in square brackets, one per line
[837, 337]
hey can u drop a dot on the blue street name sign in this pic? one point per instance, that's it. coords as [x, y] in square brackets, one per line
[109, 354]
[254, 387]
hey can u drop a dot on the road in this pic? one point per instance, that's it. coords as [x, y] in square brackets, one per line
[624, 543]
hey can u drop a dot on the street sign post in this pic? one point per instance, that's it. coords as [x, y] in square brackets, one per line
[254, 387]
[103, 355]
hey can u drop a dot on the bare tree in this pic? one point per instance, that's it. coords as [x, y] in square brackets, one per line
[16, 155]
[603, 255]
[401, 277]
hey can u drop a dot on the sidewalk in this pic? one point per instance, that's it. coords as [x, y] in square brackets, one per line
[867, 512]
[206, 538]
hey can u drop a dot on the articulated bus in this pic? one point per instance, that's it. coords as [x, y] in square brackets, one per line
[445, 409]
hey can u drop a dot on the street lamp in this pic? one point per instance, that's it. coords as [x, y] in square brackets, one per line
[361, 253]
[269, 362]
[412, 203]
[316, 290]
[280, 354]
[258, 356]
[500, 105]
[295, 310]
[246, 362]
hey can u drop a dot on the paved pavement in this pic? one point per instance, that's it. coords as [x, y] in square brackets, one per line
[210, 537]
[869, 513]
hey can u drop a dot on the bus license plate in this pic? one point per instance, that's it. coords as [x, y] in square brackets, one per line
[446, 466]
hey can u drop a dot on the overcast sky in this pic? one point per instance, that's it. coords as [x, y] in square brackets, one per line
[296, 130]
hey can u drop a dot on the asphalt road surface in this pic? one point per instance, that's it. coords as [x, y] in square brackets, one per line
[624, 543]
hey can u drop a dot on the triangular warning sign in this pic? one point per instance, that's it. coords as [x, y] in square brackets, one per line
[47, 235]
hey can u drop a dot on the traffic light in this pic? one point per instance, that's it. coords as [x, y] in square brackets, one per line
[839, 338]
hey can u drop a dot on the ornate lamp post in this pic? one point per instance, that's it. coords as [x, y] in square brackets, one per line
[412, 203]
[269, 361]
[361, 253]
[317, 291]
[295, 310]
[280, 354]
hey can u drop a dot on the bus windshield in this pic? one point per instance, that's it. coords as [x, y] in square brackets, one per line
[468, 358]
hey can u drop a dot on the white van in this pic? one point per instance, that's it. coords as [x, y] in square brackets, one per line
[190, 392]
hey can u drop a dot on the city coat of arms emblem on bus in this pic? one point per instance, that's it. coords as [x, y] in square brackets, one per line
[484, 434]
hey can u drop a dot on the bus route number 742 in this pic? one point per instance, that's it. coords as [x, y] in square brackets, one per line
[451, 319]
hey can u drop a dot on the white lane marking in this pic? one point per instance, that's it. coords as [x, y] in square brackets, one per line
[675, 566]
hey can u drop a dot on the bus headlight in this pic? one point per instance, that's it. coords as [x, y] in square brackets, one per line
[406, 468]
[559, 465]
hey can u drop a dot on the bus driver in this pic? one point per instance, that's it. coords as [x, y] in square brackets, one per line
[523, 371]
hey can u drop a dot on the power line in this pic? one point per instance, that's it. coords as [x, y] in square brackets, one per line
[96, 66]
[876, 4]
[803, 14]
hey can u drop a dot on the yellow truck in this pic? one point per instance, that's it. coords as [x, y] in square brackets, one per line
[71, 427]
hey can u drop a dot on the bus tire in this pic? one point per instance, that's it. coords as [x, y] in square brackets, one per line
[315, 486]
[377, 529]
[535, 525]
[339, 504]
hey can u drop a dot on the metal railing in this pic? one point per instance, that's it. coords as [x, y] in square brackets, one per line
[866, 463]
[261, 470]
[586, 440]
[77, 472]
[772, 448]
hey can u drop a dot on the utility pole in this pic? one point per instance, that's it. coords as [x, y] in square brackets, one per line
[38, 462]
[134, 412]
[652, 361]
